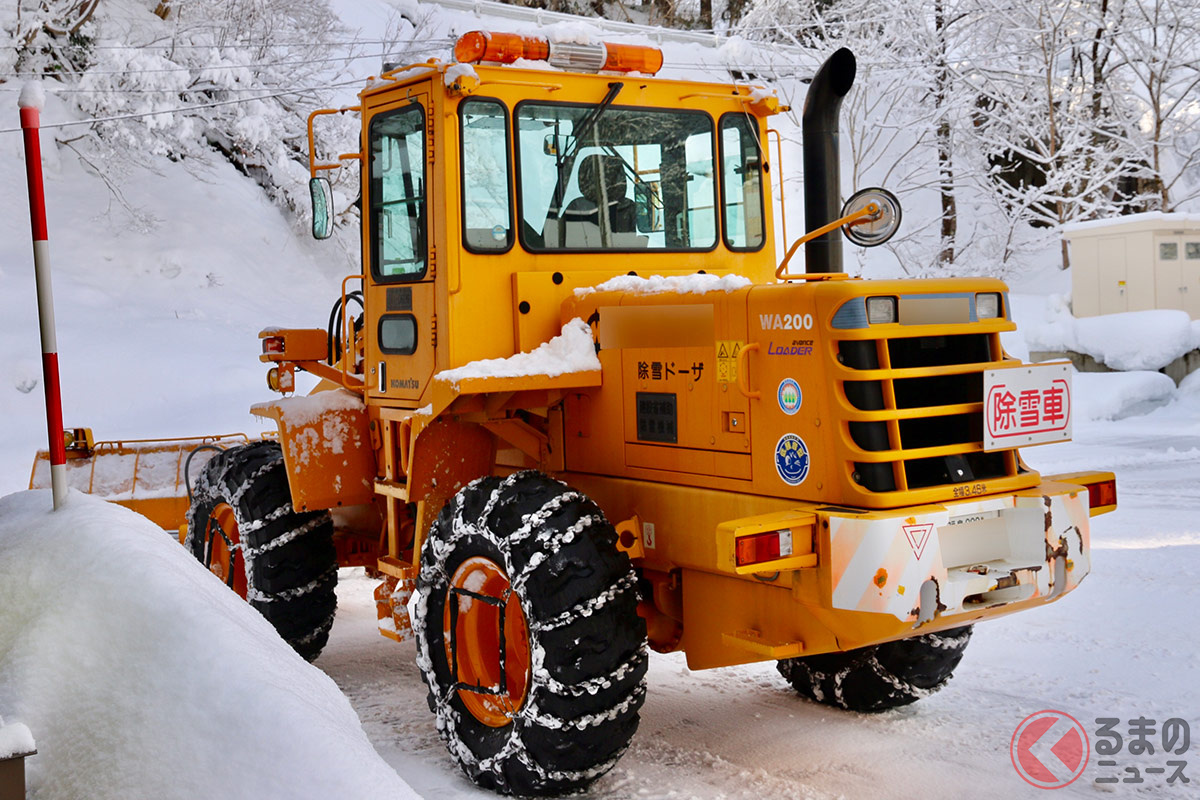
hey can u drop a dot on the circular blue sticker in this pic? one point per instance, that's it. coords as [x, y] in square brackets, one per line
[789, 395]
[791, 459]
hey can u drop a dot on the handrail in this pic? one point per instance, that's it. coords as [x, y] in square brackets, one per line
[743, 379]
[349, 345]
[313, 166]
[779, 170]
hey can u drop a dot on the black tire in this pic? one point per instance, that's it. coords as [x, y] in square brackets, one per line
[288, 558]
[880, 677]
[579, 596]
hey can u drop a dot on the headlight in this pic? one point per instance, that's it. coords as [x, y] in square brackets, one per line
[987, 305]
[881, 310]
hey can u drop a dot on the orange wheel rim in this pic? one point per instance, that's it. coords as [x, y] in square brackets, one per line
[224, 558]
[487, 642]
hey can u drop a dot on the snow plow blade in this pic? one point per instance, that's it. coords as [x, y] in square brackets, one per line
[149, 476]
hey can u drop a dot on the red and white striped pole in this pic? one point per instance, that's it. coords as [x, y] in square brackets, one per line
[31, 101]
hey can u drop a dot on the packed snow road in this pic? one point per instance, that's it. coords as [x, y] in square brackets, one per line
[1123, 646]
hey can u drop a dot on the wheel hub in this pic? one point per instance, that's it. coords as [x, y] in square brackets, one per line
[487, 642]
[222, 542]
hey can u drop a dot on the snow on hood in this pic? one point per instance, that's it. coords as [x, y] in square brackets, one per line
[142, 675]
[657, 284]
[573, 350]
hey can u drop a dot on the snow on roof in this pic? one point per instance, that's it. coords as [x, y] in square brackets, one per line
[679, 284]
[145, 676]
[459, 71]
[1167, 220]
[573, 350]
[572, 33]
[15, 740]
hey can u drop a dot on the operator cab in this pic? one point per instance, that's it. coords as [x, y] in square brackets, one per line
[491, 192]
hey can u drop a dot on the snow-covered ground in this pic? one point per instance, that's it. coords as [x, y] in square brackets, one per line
[1123, 645]
[159, 303]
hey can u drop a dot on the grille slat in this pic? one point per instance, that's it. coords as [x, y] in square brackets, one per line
[931, 390]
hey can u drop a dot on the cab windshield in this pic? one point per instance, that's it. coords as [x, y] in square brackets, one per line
[629, 179]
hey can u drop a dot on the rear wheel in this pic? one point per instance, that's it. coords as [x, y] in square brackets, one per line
[528, 636]
[241, 526]
[882, 676]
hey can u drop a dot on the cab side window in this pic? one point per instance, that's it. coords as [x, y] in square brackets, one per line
[741, 184]
[397, 194]
[487, 205]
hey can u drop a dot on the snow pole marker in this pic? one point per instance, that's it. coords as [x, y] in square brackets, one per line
[31, 101]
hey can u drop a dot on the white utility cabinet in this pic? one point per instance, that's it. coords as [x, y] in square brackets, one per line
[1134, 263]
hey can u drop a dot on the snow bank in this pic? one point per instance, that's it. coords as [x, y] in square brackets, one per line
[573, 350]
[143, 676]
[679, 284]
[15, 740]
[1134, 340]
[1116, 395]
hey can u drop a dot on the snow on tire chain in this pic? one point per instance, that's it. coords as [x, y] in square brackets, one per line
[1123, 646]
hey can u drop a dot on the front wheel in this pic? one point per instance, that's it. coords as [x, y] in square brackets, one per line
[242, 527]
[528, 636]
[882, 676]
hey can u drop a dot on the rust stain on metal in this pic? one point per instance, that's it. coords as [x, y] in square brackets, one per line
[1054, 552]
[881, 577]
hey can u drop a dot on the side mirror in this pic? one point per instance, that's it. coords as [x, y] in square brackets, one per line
[878, 228]
[322, 202]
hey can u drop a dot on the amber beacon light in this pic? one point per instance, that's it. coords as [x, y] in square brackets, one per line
[505, 48]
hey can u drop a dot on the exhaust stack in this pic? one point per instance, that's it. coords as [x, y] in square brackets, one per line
[822, 170]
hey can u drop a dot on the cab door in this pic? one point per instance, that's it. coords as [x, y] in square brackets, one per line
[399, 284]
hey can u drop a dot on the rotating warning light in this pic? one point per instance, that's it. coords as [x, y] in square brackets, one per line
[506, 48]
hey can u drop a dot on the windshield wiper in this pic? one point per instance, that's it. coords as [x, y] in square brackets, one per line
[566, 160]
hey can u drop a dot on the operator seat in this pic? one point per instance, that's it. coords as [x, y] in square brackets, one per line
[603, 186]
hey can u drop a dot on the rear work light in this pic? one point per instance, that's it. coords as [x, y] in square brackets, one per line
[505, 48]
[761, 547]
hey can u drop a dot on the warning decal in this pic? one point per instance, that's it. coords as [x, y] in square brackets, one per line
[918, 537]
[727, 358]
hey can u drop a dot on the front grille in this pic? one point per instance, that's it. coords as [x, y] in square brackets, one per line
[917, 409]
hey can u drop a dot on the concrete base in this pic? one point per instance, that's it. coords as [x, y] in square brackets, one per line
[1177, 370]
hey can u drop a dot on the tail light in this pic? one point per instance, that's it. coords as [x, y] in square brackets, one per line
[1103, 493]
[761, 547]
[272, 345]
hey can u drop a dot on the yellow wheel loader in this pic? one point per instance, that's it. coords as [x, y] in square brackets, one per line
[587, 411]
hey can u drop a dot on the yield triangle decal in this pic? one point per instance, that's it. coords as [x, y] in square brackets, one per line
[918, 537]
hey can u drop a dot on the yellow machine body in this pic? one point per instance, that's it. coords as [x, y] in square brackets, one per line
[724, 408]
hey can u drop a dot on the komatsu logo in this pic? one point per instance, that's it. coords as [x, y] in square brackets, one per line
[785, 322]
